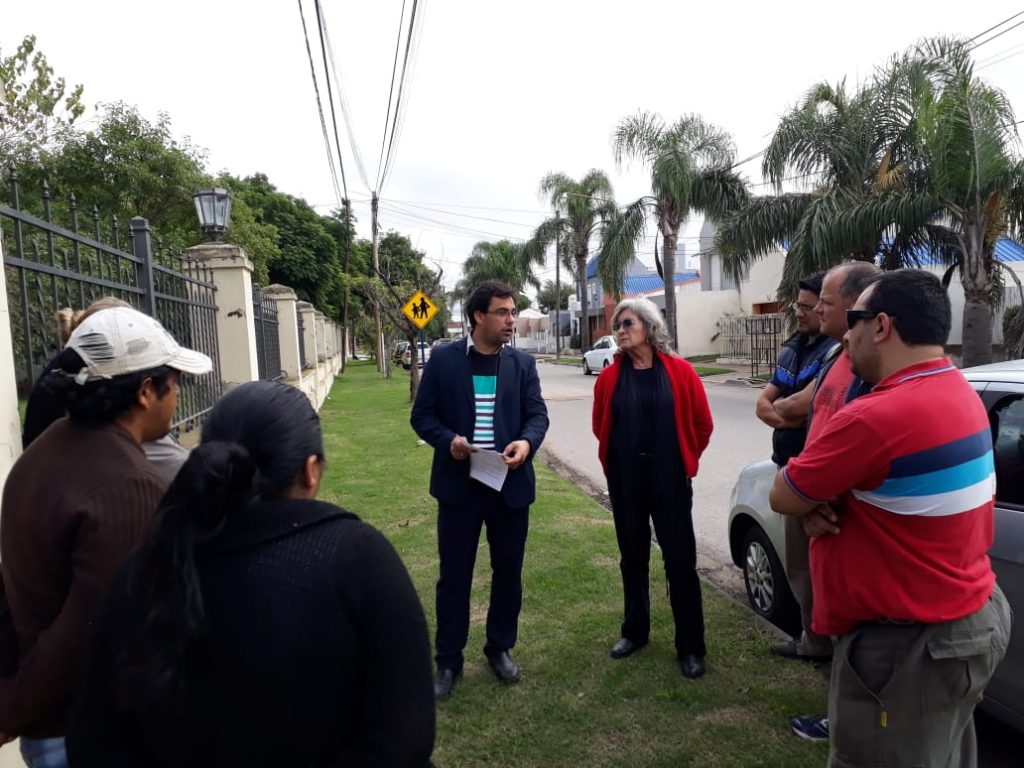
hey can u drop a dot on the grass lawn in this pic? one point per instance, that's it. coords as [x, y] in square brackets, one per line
[574, 705]
[708, 371]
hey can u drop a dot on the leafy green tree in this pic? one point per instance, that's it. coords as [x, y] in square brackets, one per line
[129, 166]
[308, 258]
[37, 110]
[402, 273]
[546, 297]
[582, 210]
[504, 260]
[691, 172]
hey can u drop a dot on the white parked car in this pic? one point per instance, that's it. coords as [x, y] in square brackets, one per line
[599, 356]
[424, 355]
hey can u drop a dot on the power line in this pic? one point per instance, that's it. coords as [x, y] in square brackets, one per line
[995, 26]
[996, 55]
[399, 117]
[1004, 58]
[330, 96]
[997, 35]
[319, 106]
[391, 94]
[346, 112]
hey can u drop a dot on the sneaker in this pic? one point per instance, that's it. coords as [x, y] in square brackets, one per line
[811, 728]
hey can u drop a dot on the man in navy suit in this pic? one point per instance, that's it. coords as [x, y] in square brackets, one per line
[480, 394]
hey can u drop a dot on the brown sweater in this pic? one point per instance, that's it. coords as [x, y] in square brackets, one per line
[77, 502]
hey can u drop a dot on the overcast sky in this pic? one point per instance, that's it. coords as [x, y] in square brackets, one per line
[501, 93]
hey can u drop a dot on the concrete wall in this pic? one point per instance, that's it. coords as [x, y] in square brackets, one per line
[762, 281]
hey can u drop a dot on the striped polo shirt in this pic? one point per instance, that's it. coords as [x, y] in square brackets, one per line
[485, 389]
[911, 465]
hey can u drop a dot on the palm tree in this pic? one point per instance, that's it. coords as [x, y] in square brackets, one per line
[965, 175]
[850, 148]
[582, 210]
[504, 260]
[691, 171]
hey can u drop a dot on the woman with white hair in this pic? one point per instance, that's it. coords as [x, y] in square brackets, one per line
[652, 422]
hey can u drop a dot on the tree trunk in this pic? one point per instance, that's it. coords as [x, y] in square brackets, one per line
[977, 329]
[581, 270]
[668, 260]
[414, 369]
[977, 282]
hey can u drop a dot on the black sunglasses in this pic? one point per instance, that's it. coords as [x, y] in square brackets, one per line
[627, 324]
[854, 316]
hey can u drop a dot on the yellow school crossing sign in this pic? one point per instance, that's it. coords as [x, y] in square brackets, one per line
[420, 309]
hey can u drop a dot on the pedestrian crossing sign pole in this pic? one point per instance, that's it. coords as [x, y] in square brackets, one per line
[420, 310]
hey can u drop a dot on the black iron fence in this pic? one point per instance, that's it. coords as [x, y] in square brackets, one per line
[51, 267]
[756, 338]
[268, 344]
[766, 335]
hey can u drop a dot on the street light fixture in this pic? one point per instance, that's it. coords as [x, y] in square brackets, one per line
[213, 207]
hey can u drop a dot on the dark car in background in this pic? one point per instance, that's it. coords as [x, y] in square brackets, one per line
[757, 543]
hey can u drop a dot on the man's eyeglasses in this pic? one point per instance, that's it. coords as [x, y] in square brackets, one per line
[796, 306]
[503, 313]
[854, 316]
[627, 324]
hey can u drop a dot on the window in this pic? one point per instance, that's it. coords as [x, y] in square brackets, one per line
[1008, 449]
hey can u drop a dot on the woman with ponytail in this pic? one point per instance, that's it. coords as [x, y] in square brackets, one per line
[258, 627]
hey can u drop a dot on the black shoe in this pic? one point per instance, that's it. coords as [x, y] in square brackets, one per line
[444, 683]
[626, 647]
[506, 670]
[691, 665]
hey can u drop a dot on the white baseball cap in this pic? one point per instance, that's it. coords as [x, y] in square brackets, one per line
[120, 340]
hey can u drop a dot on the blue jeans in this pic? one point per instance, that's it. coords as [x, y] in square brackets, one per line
[44, 753]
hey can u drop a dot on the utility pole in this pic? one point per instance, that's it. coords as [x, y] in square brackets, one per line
[347, 207]
[558, 299]
[376, 272]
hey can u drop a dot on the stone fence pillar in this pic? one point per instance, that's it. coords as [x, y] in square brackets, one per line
[287, 328]
[10, 422]
[236, 328]
[309, 332]
[321, 337]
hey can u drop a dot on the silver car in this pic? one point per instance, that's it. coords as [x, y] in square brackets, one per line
[757, 543]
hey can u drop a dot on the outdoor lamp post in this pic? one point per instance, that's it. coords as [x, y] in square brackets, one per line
[213, 207]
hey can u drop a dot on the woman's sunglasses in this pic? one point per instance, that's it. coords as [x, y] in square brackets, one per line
[627, 324]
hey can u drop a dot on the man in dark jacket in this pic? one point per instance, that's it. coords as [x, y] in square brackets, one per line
[798, 364]
[479, 396]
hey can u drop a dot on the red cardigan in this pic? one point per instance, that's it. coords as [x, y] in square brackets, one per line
[693, 415]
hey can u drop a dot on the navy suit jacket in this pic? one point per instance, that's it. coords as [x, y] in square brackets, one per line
[445, 407]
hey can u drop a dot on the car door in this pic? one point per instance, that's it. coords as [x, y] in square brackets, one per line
[1005, 403]
[595, 356]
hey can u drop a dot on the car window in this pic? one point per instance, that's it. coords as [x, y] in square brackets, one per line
[1008, 448]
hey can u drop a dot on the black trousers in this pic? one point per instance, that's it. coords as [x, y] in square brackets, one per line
[458, 537]
[639, 493]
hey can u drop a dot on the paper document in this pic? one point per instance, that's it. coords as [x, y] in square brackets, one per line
[489, 468]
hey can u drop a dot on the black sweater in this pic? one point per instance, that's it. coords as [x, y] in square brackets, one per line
[315, 654]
